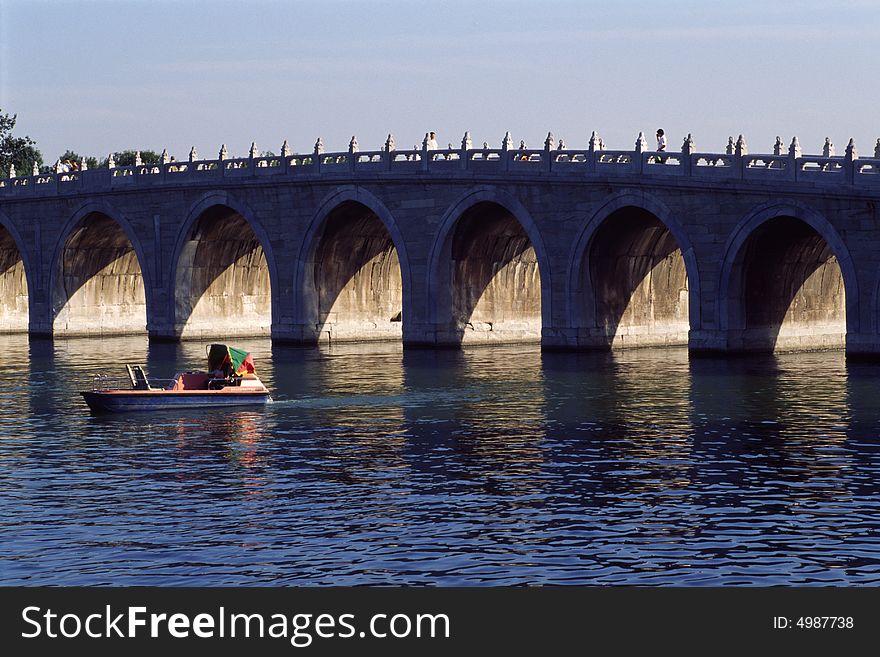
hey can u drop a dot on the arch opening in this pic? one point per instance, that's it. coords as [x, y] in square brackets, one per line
[495, 278]
[355, 288]
[793, 292]
[639, 280]
[99, 286]
[222, 285]
[13, 286]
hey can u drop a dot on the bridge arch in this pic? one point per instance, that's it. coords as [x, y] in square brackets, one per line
[352, 278]
[223, 270]
[98, 280]
[16, 278]
[875, 306]
[787, 282]
[633, 278]
[489, 276]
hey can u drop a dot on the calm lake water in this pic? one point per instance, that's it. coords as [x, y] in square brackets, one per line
[486, 466]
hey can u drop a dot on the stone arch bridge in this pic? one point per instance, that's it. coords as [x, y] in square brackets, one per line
[574, 248]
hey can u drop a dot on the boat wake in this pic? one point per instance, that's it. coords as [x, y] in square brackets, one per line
[403, 400]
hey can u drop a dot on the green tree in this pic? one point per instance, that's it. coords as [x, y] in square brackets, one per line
[21, 152]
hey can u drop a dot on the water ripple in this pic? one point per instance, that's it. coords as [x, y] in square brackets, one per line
[482, 466]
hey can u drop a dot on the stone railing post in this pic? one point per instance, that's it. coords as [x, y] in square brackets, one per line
[849, 161]
[466, 145]
[827, 151]
[253, 154]
[285, 156]
[222, 156]
[592, 155]
[353, 150]
[138, 163]
[549, 144]
[794, 154]
[687, 150]
[779, 147]
[388, 151]
[505, 151]
[640, 148]
[318, 153]
[425, 142]
[740, 150]
[828, 148]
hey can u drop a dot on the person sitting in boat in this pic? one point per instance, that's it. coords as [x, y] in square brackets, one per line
[220, 376]
[223, 372]
[227, 365]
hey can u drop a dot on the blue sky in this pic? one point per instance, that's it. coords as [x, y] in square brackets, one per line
[102, 76]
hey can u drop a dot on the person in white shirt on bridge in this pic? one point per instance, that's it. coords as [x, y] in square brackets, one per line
[431, 144]
[661, 145]
[661, 140]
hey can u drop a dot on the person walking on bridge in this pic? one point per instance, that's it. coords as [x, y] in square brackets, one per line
[661, 145]
[431, 144]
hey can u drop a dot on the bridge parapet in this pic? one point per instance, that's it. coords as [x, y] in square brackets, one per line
[736, 164]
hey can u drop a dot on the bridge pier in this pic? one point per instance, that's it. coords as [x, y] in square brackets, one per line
[39, 322]
[862, 347]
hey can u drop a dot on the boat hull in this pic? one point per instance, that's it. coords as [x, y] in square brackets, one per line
[123, 401]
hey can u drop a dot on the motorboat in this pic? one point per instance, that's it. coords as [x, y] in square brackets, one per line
[231, 380]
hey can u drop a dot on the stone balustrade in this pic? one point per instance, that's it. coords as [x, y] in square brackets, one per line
[735, 164]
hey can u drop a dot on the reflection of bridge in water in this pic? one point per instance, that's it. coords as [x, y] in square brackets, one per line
[576, 248]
